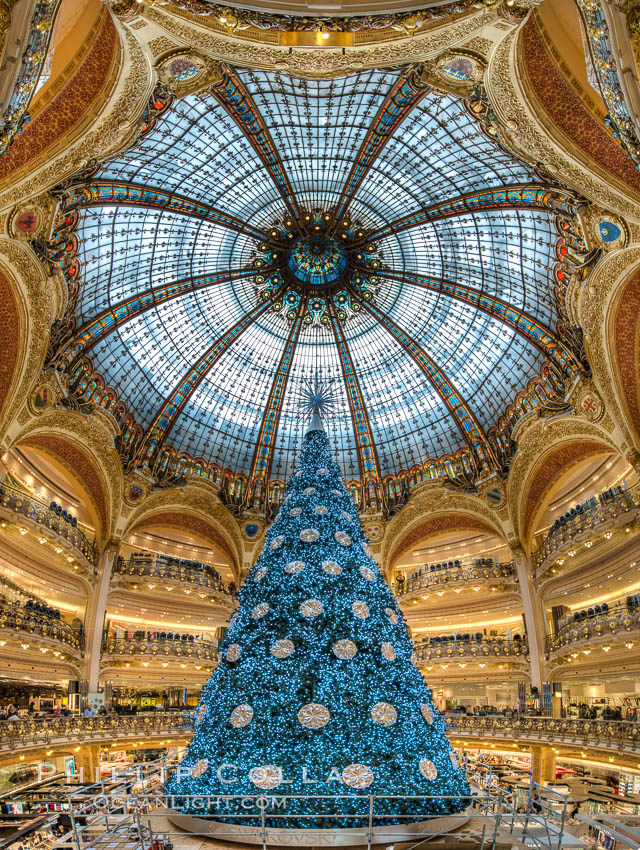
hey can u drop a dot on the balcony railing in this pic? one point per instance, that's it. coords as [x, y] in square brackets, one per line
[12, 616]
[49, 730]
[160, 647]
[427, 578]
[612, 512]
[174, 570]
[620, 616]
[607, 734]
[473, 648]
[25, 505]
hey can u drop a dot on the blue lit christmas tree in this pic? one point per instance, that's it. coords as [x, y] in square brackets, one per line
[317, 690]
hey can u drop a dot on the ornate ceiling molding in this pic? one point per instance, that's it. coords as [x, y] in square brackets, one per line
[325, 63]
[543, 438]
[114, 127]
[526, 130]
[599, 307]
[28, 305]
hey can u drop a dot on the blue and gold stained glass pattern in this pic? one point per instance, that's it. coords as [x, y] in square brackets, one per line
[362, 230]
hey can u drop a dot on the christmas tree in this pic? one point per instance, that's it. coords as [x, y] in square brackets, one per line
[317, 690]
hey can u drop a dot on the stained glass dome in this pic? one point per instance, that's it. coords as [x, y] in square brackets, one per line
[365, 231]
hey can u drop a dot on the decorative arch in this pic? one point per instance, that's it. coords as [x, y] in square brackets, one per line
[66, 108]
[623, 339]
[84, 447]
[27, 305]
[609, 313]
[576, 122]
[196, 510]
[547, 450]
[432, 509]
[438, 523]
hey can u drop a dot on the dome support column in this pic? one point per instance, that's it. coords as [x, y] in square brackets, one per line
[533, 617]
[96, 612]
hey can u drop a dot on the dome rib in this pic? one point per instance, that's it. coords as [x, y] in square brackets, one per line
[469, 426]
[233, 95]
[515, 197]
[403, 96]
[165, 418]
[105, 193]
[366, 448]
[540, 337]
[263, 455]
[108, 320]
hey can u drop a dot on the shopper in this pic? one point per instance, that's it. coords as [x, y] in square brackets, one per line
[89, 711]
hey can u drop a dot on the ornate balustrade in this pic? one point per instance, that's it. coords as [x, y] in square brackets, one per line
[601, 734]
[46, 731]
[202, 650]
[622, 617]
[17, 502]
[481, 649]
[175, 571]
[453, 577]
[13, 617]
[620, 736]
[604, 514]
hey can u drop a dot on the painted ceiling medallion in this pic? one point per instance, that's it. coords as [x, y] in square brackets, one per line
[318, 272]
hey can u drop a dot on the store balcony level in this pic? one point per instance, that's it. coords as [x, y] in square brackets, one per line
[49, 731]
[30, 514]
[168, 573]
[598, 517]
[455, 574]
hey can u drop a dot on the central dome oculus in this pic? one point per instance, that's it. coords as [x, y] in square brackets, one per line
[317, 259]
